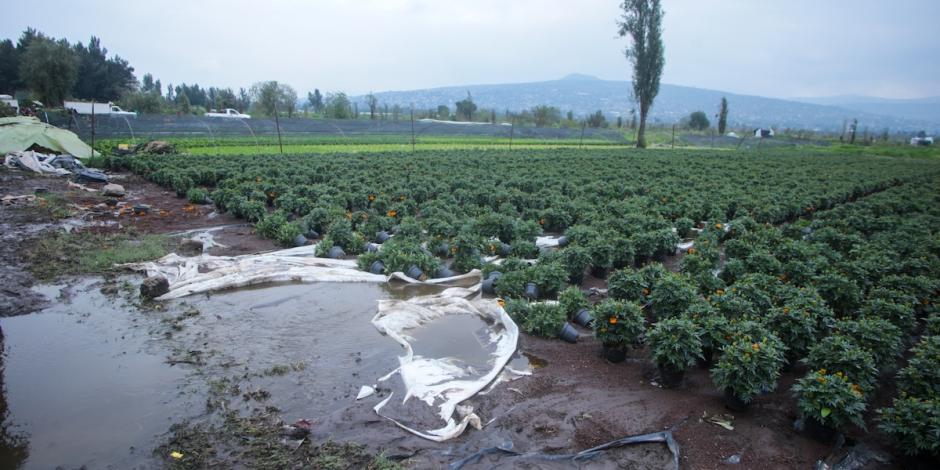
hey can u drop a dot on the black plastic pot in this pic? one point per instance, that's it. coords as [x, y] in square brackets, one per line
[569, 333]
[733, 403]
[583, 318]
[370, 247]
[819, 431]
[382, 237]
[669, 378]
[377, 267]
[531, 291]
[505, 249]
[336, 253]
[489, 284]
[311, 234]
[706, 359]
[615, 355]
[562, 241]
[415, 272]
[300, 240]
[443, 250]
[444, 272]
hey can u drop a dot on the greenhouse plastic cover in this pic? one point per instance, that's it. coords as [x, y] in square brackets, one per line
[428, 400]
[20, 133]
[207, 273]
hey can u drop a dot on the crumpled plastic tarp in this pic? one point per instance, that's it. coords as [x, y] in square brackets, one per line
[18, 134]
[35, 162]
[428, 401]
[207, 273]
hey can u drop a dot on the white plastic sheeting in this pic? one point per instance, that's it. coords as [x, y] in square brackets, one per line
[206, 273]
[35, 162]
[443, 383]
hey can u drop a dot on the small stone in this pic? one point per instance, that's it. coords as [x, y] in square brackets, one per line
[113, 190]
[190, 247]
[154, 286]
[140, 209]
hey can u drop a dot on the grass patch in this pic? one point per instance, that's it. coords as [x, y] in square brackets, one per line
[88, 253]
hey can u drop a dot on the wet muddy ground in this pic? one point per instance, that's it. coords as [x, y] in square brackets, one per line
[94, 377]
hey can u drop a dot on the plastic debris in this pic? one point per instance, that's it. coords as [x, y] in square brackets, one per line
[176, 455]
[365, 391]
[724, 420]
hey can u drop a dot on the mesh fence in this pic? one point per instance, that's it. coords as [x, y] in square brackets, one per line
[152, 127]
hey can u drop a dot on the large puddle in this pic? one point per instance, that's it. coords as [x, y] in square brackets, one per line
[97, 381]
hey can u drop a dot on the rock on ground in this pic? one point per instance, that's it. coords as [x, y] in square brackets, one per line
[154, 286]
[113, 189]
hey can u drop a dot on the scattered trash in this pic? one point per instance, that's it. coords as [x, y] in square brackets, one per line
[443, 383]
[82, 187]
[154, 286]
[733, 460]
[519, 457]
[365, 391]
[18, 200]
[157, 147]
[856, 457]
[298, 430]
[176, 455]
[113, 190]
[724, 420]
[91, 176]
[35, 162]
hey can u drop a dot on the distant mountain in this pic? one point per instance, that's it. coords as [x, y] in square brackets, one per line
[584, 94]
[927, 109]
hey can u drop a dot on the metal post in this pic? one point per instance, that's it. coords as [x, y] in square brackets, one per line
[581, 139]
[512, 128]
[92, 128]
[673, 135]
[277, 123]
[412, 128]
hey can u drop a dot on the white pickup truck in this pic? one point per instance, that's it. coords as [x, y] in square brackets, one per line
[228, 113]
[83, 107]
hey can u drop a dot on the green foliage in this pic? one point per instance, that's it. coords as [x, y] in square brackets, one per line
[830, 399]
[197, 195]
[618, 324]
[550, 277]
[572, 300]
[749, 365]
[698, 121]
[675, 343]
[914, 423]
[544, 320]
[576, 260]
[49, 68]
[921, 376]
[671, 295]
[837, 353]
[878, 336]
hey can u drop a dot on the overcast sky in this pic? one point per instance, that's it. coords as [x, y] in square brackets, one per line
[778, 48]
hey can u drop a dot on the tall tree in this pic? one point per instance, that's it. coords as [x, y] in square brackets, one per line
[373, 103]
[9, 67]
[698, 121]
[466, 108]
[316, 101]
[642, 23]
[337, 106]
[49, 68]
[545, 115]
[723, 116]
[100, 78]
[443, 112]
[272, 96]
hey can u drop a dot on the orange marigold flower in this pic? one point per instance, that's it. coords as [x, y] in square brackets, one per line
[392, 213]
[612, 320]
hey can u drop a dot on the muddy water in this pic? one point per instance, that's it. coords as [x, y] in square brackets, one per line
[85, 385]
[95, 380]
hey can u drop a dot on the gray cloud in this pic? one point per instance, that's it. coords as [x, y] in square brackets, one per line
[770, 48]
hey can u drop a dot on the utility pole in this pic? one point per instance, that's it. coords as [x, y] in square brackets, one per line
[412, 128]
[581, 139]
[512, 128]
[673, 135]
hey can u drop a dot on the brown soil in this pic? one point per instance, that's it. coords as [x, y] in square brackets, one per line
[576, 401]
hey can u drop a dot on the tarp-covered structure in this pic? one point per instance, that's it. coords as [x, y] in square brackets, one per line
[20, 133]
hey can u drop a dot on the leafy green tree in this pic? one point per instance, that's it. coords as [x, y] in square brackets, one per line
[466, 108]
[100, 78]
[698, 121]
[443, 112]
[723, 116]
[316, 101]
[642, 23]
[545, 116]
[243, 102]
[182, 102]
[338, 106]
[373, 103]
[597, 120]
[9, 67]
[49, 68]
[271, 96]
